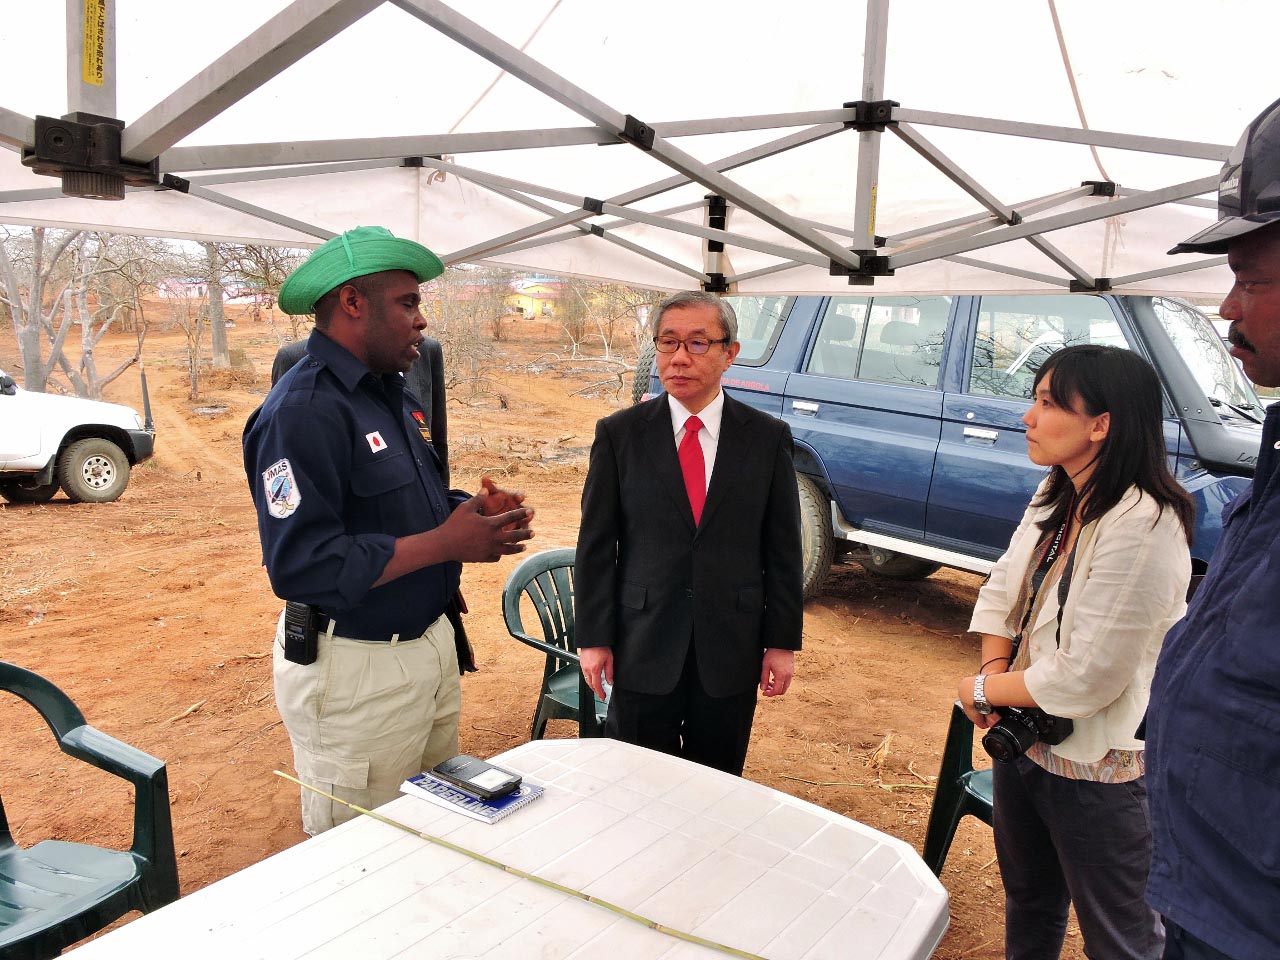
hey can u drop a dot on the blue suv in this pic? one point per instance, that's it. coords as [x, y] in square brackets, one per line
[906, 412]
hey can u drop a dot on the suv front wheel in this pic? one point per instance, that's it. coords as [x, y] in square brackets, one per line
[816, 539]
[93, 470]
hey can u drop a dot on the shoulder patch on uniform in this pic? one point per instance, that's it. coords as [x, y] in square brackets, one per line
[376, 442]
[283, 496]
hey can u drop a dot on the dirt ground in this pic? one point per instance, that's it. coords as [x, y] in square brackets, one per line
[154, 614]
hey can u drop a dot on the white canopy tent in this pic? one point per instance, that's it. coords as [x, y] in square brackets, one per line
[583, 138]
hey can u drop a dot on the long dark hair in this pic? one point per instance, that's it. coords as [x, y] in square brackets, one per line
[1119, 382]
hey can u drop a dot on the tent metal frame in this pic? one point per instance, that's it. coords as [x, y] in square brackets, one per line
[857, 252]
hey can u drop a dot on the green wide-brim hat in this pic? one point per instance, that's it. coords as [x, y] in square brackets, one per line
[356, 253]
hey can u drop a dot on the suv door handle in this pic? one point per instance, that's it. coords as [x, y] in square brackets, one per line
[804, 407]
[973, 433]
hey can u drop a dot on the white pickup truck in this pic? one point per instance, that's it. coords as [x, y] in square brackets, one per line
[84, 447]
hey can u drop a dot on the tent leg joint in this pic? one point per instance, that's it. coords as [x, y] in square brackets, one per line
[871, 114]
[1101, 188]
[1099, 285]
[83, 149]
[637, 133]
[870, 265]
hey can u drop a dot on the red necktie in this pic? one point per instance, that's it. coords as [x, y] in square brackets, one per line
[694, 467]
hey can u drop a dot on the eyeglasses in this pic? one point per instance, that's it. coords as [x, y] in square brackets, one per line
[696, 346]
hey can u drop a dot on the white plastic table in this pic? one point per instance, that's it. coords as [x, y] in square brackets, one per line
[692, 848]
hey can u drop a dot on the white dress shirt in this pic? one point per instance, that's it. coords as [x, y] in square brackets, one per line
[708, 436]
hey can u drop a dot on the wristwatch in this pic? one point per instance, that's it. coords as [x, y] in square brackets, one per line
[980, 694]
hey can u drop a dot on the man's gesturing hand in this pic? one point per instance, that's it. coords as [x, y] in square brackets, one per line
[474, 538]
[496, 500]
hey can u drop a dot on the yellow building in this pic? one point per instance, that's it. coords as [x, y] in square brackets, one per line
[534, 297]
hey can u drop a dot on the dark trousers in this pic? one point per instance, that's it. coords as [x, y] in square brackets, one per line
[1062, 841]
[1181, 945]
[687, 722]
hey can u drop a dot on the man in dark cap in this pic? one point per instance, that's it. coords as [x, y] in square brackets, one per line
[1213, 723]
[359, 533]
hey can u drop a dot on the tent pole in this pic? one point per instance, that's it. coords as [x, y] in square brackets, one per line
[949, 169]
[875, 46]
[91, 57]
[1110, 208]
[279, 43]
[525, 68]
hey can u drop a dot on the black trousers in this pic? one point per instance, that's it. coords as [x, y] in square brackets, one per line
[687, 722]
[1062, 841]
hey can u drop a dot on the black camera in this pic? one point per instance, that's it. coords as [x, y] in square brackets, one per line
[1019, 728]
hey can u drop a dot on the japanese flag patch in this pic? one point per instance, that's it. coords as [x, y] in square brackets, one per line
[376, 443]
[283, 495]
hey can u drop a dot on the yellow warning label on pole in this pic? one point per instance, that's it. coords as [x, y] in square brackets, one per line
[93, 64]
[871, 224]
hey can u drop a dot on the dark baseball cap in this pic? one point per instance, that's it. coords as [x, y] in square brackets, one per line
[1249, 188]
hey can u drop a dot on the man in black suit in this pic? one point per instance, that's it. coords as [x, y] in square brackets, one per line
[425, 380]
[688, 588]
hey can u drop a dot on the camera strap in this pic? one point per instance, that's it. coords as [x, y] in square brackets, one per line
[1037, 581]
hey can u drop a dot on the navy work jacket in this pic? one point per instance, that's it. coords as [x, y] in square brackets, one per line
[339, 468]
[1213, 735]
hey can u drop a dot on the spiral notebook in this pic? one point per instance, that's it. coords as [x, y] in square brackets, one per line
[444, 794]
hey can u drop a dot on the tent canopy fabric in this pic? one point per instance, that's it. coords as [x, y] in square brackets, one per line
[671, 146]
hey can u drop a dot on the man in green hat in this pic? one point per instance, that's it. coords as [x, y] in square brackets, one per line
[359, 534]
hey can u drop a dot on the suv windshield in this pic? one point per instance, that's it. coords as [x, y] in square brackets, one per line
[1216, 372]
[759, 323]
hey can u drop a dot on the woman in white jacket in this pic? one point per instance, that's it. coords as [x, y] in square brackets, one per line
[1071, 622]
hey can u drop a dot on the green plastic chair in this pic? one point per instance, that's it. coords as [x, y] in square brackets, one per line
[960, 790]
[55, 893]
[547, 580]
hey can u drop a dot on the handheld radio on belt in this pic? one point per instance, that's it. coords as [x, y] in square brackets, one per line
[301, 621]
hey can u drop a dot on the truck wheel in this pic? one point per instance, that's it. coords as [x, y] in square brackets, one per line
[644, 369]
[93, 470]
[16, 492]
[897, 566]
[816, 540]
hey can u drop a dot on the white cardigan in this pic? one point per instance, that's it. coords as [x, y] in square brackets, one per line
[1128, 588]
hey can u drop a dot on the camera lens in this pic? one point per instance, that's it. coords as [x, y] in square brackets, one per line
[1009, 738]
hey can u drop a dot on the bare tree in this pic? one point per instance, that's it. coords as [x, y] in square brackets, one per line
[574, 311]
[56, 283]
[213, 311]
[264, 270]
[30, 265]
[626, 308]
[595, 311]
[460, 307]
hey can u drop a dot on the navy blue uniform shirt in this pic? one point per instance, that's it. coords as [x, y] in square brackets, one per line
[339, 469]
[1213, 735]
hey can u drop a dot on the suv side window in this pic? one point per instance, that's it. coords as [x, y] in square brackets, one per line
[835, 349]
[759, 326]
[889, 339]
[1015, 335]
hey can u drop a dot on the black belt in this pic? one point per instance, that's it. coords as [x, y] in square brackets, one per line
[324, 620]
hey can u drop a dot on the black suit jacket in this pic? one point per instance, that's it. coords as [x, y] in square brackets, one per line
[648, 583]
[425, 380]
